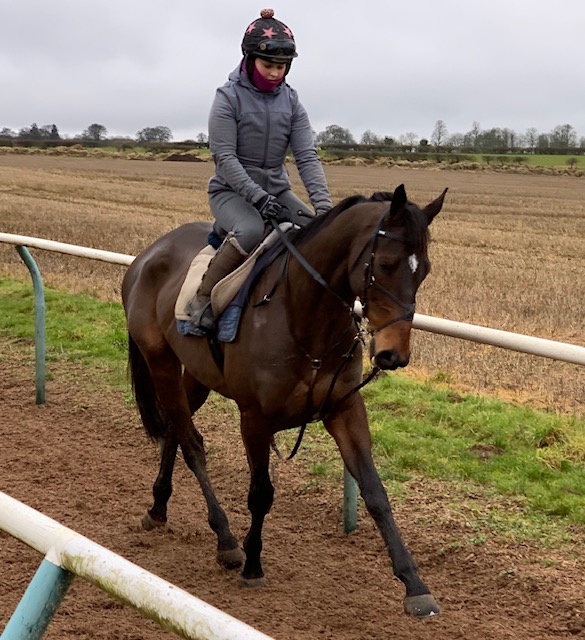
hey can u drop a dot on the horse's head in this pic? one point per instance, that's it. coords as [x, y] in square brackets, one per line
[396, 264]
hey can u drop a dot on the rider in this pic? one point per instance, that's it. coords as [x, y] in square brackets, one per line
[255, 118]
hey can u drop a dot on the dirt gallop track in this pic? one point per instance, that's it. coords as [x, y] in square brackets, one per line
[83, 460]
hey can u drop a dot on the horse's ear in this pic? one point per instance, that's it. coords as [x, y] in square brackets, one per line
[395, 215]
[399, 199]
[432, 209]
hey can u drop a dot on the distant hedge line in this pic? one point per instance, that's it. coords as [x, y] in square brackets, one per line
[121, 144]
[373, 150]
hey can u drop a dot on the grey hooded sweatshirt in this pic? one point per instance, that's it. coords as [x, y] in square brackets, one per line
[250, 133]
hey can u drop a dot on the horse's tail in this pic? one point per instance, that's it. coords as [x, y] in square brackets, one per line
[145, 393]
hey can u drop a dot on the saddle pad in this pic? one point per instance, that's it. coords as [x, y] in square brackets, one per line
[225, 290]
[192, 281]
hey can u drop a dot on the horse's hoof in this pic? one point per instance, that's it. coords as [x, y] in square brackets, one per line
[252, 583]
[149, 523]
[424, 606]
[230, 558]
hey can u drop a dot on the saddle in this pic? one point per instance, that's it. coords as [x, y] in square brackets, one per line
[225, 291]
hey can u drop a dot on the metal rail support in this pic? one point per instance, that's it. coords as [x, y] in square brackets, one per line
[41, 599]
[40, 332]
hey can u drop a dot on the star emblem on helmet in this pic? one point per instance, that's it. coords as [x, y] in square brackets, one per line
[269, 33]
[251, 27]
[288, 32]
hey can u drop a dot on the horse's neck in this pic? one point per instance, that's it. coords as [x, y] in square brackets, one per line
[329, 253]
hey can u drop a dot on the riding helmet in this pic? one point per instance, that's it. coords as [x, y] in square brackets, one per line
[269, 39]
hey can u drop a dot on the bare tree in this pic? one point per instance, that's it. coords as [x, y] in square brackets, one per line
[50, 132]
[472, 136]
[531, 137]
[30, 133]
[456, 140]
[409, 139]
[563, 136]
[543, 141]
[440, 133]
[334, 134]
[369, 137]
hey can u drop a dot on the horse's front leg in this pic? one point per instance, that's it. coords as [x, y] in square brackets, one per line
[256, 437]
[349, 428]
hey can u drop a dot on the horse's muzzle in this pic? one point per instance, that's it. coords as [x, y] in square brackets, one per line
[390, 359]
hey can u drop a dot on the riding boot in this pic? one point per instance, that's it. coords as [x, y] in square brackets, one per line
[228, 257]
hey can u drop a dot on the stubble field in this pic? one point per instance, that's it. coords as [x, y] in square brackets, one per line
[508, 252]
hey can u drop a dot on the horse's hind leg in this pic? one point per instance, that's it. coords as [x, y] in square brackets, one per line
[229, 554]
[162, 489]
[156, 426]
[156, 516]
[177, 399]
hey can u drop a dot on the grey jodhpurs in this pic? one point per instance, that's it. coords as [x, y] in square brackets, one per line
[233, 213]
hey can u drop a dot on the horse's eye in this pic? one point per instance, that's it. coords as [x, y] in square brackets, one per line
[388, 266]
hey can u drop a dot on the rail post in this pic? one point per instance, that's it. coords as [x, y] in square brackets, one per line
[41, 599]
[40, 340]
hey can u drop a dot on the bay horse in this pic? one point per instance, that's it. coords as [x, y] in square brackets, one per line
[296, 358]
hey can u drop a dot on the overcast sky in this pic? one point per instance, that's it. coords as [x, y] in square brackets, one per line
[380, 65]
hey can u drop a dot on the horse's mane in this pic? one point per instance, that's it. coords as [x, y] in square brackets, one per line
[416, 227]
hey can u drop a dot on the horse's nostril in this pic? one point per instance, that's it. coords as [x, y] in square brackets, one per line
[390, 360]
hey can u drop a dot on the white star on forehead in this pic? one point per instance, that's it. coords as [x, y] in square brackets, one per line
[413, 263]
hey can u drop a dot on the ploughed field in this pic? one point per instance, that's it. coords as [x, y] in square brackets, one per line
[508, 252]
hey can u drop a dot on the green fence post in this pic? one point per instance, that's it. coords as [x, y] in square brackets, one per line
[40, 348]
[41, 599]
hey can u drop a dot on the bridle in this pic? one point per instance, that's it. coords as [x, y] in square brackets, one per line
[370, 281]
[359, 337]
[369, 278]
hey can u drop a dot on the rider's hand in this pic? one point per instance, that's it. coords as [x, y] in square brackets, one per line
[321, 211]
[271, 209]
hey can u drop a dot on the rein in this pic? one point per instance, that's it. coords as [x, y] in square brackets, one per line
[307, 266]
[369, 281]
[315, 362]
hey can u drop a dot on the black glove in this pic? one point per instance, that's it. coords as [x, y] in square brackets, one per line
[271, 209]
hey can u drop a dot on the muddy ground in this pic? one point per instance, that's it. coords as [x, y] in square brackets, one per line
[83, 459]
